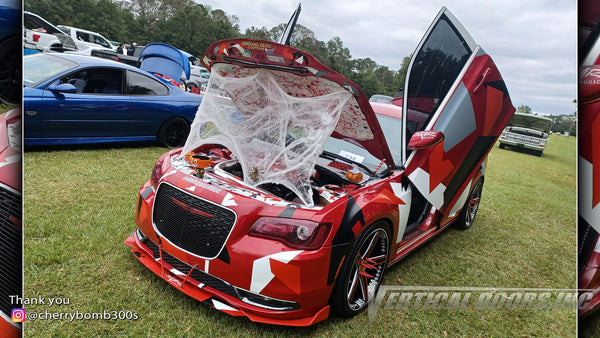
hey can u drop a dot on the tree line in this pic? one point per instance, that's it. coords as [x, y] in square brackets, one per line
[560, 123]
[193, 27]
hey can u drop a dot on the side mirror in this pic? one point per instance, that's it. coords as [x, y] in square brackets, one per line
[425, 139]
[63, 88]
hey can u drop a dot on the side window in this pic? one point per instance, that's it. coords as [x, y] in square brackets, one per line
[66, 30]
[96, 81]
[82, 36]
[100, 41]
[434, 70]
[139, 84]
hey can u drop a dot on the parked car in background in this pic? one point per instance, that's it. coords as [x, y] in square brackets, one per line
[119, 57]
[381, 98]
[588, 164]
[11, 267]
[167, 62]
[41, 35]
[294, 193]
[527, 131]
[87, 40]
[199, 75]
[74, 99]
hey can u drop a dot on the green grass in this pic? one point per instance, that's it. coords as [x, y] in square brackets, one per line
[6, 107]
[79, 208]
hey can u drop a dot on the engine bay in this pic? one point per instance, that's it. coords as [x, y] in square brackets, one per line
[330, 179]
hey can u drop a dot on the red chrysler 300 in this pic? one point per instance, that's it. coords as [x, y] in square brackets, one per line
[293, 192]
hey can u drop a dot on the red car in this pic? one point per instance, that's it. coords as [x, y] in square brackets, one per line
[10, 222]
[294, 193]
[589, 185]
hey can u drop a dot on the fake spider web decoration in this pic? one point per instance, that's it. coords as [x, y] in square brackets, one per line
[274, 122]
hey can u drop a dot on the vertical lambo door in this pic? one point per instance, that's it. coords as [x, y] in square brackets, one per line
[453, 88]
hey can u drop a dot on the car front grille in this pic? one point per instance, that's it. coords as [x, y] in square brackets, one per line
[191, 223]
[10, 248]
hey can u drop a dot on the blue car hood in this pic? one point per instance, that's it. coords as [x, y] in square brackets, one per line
[164, 59]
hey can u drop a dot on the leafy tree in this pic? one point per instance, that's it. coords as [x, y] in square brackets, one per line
[154, 10]
[524, 109]
[258, 33]
[193, 27]
[339, 56]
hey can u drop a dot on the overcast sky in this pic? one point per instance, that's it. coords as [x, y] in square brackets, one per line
[533, 42]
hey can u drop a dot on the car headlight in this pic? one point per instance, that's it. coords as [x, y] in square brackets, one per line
[13, 128]
[295, 233]
[157, 173]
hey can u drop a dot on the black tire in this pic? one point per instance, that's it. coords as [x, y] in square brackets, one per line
[362, 271]
[173, 133]
[539, 153]
[11, 54]
[469, 211]
[502, 145]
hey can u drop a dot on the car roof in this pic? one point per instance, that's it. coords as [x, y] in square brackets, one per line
[79, 29]
[86, 60]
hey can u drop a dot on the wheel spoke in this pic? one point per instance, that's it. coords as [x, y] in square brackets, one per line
[372, 244]
[378, 260]
[353, 285]
[364, 287]
[474, 202]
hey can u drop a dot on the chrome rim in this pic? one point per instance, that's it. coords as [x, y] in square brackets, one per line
[367, 269]
[473, 205]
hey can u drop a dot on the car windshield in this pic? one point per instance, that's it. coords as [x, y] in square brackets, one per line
[381, 98]
[40, 67]
[392, 131]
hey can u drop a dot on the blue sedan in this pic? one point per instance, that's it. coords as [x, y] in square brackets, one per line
[74, 99]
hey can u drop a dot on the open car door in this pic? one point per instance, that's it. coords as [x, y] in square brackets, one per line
[286, 36]
[453, 87]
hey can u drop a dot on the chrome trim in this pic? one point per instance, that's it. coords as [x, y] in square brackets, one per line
[9, 319]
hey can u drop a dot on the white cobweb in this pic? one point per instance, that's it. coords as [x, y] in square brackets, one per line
[274, 122]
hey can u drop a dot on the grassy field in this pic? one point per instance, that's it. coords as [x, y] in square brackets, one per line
[79, 208]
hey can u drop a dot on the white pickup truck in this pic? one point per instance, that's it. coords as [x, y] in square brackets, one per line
[526, 131]
[41, 35]
[86, 40]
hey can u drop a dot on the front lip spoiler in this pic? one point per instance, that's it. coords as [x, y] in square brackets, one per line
[214, 298]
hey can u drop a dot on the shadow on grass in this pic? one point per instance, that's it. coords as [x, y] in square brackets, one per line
[590, 326]
[93, 146]
[525, 151]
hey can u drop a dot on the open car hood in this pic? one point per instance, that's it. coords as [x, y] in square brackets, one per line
[164, 59]
[530, 121]
[274, 106]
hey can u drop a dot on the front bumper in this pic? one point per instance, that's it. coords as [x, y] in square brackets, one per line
[212, 290]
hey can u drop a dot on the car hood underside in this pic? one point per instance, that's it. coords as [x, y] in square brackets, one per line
[274, 107]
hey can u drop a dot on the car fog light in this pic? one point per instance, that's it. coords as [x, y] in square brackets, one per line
[266, 302]
[140, 235]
